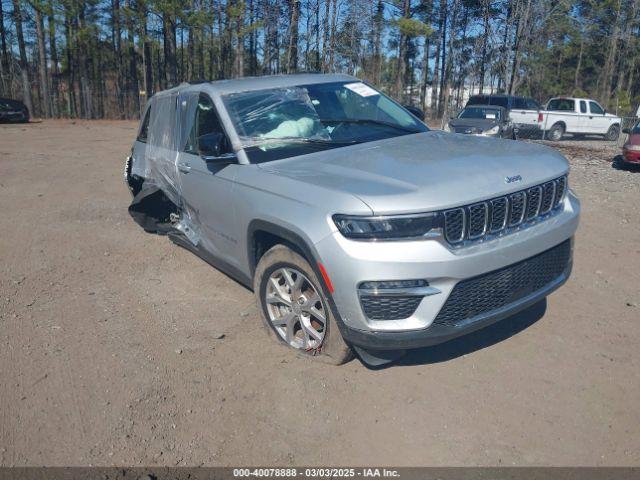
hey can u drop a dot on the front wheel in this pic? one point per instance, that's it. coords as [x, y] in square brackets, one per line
[613, 133]
[295, 309]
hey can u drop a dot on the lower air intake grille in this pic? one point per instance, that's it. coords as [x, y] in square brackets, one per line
[381, 307]
[500, 288]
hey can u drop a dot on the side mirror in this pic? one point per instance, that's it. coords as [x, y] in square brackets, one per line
[211, 146]
[626, 130]
[415, 111]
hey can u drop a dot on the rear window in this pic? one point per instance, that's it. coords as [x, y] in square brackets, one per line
[519, 103]
[562, 105]
[500, 101]
[162, 122]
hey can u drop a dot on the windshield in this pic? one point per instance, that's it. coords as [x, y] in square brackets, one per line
[285, 122]
[480, 112]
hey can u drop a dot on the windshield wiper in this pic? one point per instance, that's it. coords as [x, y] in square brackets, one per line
[369, 120]
[316, 141]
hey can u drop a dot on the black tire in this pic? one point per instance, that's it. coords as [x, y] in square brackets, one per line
[613, 133]
[333, 349]
[556, 132]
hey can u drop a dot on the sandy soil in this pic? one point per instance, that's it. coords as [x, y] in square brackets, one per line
[117, 347]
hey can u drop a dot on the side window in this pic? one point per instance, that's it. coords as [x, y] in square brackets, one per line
[206, 121]
[143, 135]
[595, 108]
[519, 103]
[583, 106]
[532, 104]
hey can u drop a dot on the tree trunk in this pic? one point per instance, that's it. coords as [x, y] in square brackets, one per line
[147, 60]
[402, 54]
[377, 42]
[45, 104]
[83, 48]
[444, 12]
[292, 51]
[325, 34]
[24, 66]
[425, 74]
[169, 33]
[239, 60]
[485, 41]
[55, 71]
[332, 37]
[132, 84]
[5, 79]
[607, 70]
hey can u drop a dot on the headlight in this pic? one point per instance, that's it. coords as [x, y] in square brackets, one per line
[392, 227]
[635, 148]
[493, 130]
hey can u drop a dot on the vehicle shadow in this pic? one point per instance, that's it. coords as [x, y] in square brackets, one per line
[474, 341]
[618, 163]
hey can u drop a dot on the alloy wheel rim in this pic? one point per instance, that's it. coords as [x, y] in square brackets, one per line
[295, 309]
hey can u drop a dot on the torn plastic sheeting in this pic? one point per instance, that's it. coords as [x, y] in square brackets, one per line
[275, 113]
[171, 122]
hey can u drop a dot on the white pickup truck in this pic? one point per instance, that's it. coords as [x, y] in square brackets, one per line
[578, 116]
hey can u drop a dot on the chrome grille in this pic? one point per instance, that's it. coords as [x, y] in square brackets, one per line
[516, 208]
[548, 195]
[477, 220]
[473, 222]
[534, 196]
[499, 208]
[454, 228]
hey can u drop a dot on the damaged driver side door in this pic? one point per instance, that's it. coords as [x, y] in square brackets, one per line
[207, 184]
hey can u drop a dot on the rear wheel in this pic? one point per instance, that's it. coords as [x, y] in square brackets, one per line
[556, 132]
[294, 307]
[613, 133]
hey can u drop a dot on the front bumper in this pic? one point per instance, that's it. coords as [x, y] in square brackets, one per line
[350, 262]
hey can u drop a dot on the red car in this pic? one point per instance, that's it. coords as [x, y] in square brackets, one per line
[631, 148]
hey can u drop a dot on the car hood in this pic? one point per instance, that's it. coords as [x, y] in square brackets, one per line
[474, 123]
[426, 171]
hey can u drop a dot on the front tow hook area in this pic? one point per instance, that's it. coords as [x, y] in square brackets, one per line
[377, 358]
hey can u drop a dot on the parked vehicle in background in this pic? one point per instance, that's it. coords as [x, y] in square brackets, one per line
[353, 223]
[631, 148]
[483, 120]
[13, 111]
[524, 112]
[578, 116]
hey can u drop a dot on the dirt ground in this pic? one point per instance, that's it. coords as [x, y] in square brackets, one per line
[117, 347]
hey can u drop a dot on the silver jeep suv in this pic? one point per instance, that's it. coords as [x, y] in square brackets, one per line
[357, 227]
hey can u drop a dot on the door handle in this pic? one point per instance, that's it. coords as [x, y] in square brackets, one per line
[184, 167]
[590, 118]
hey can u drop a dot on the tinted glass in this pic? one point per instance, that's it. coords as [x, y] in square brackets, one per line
[205, 121]
[595, 108]
[583, 106]
[144, 129]
[532, 104]
[498, 100]
[480, 113]
[562, 105]
[519, 103]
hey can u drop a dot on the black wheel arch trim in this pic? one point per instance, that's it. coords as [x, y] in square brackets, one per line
[309, 252]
